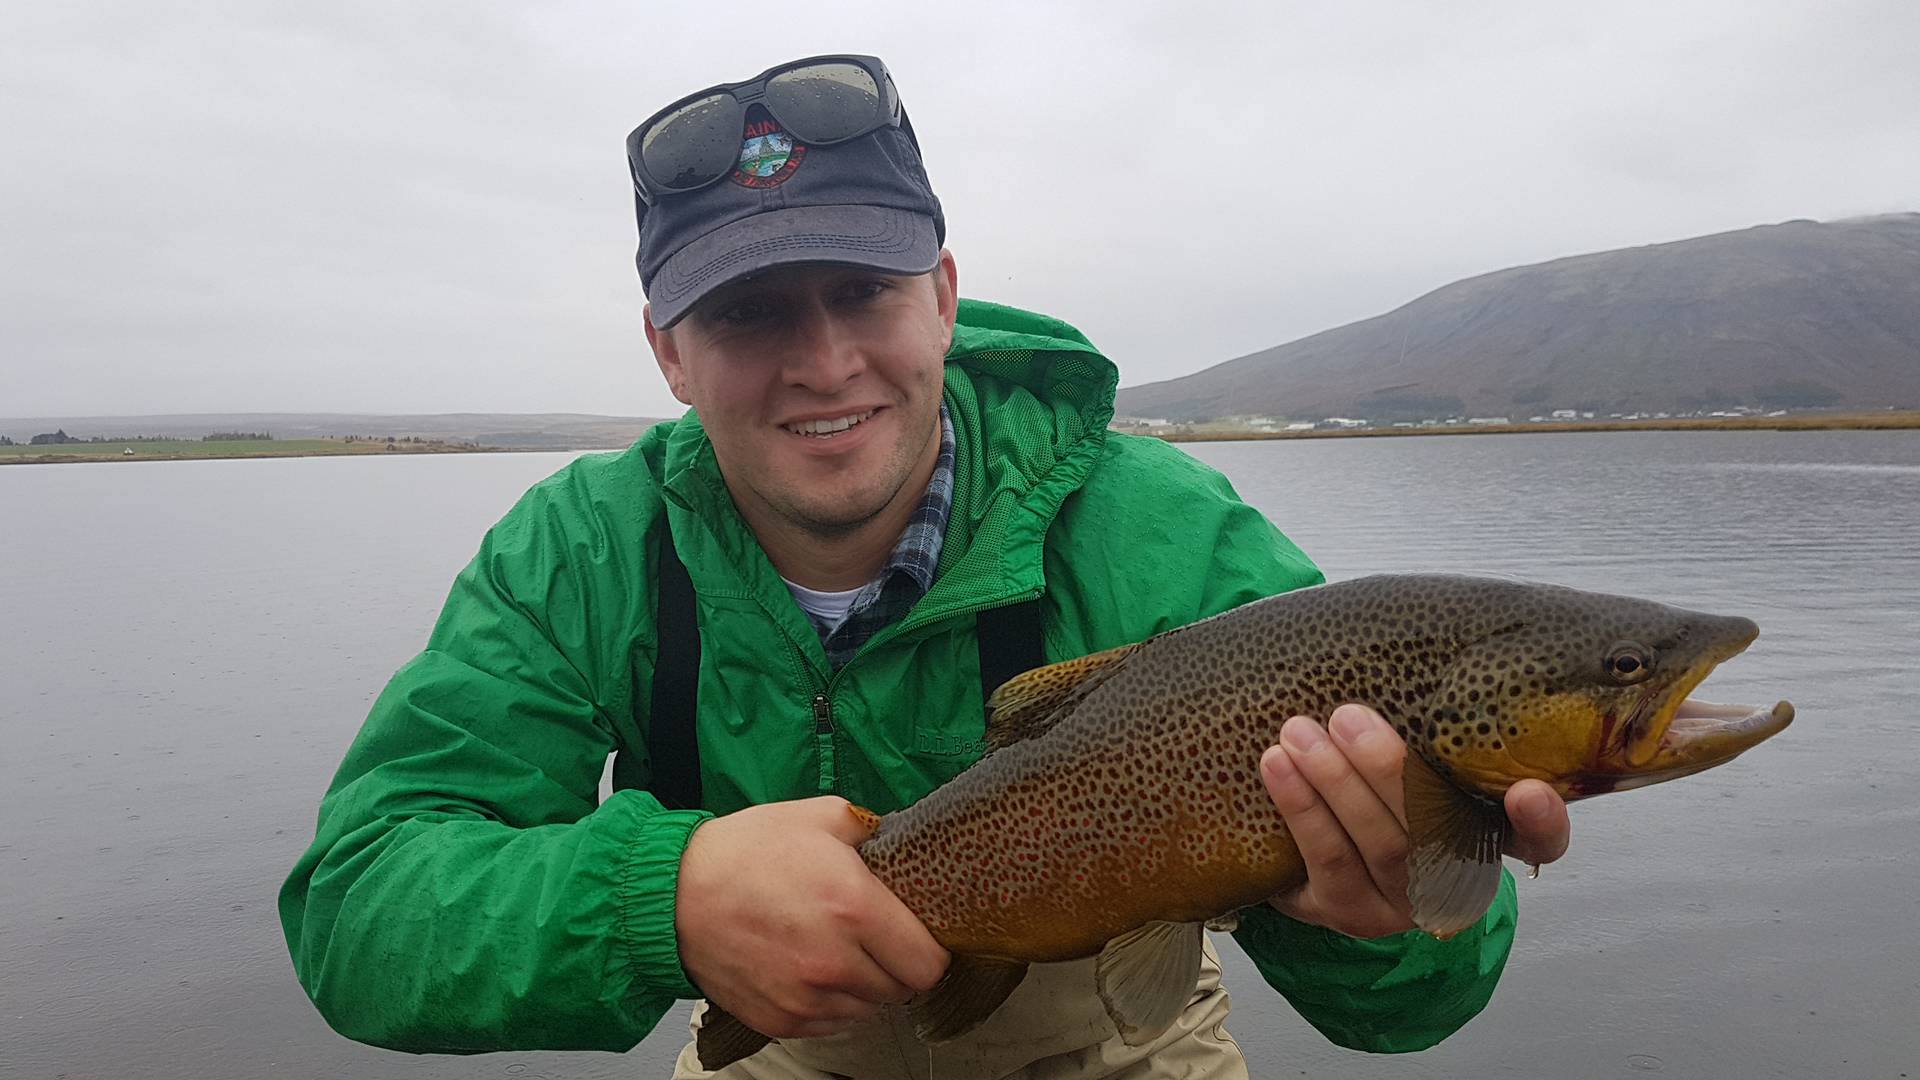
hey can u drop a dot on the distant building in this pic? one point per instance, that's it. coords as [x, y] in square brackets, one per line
[1488, 421]
[1565, 414]
[1253, 423]
[1343, 422]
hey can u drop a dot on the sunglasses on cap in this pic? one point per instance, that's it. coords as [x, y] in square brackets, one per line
[820, 101]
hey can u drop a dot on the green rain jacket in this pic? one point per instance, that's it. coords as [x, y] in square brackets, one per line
[468, 890]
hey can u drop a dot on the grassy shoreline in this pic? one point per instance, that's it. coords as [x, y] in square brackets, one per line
[1900, 420]
[198, 450]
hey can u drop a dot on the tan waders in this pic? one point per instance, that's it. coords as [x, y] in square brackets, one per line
[1052, 1028]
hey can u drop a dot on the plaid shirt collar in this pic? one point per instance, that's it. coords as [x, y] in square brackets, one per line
[909, 571]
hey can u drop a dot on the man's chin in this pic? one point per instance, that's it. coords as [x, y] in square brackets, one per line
[832, 521]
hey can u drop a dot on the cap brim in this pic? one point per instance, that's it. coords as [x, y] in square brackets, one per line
[871, 237]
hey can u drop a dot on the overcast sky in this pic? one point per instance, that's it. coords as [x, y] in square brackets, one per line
[402, 206]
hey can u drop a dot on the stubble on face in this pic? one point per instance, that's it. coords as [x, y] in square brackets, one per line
[819, 343]
[835, 516]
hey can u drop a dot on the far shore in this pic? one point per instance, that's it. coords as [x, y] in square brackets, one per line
[195, 450]
[1885, 420]
[192, 450]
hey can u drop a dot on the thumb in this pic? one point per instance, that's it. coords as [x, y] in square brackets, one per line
[849, 824]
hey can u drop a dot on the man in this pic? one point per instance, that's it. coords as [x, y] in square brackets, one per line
[873, 470]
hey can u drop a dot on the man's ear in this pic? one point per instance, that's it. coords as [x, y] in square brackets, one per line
[946, 291]
[666, 353]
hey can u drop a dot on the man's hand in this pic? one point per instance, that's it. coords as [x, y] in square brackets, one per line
[781, 924]
[1343, 803]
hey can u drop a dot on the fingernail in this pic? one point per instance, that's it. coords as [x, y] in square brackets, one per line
[1350, 725]
[1277, 764]
[1303, 734]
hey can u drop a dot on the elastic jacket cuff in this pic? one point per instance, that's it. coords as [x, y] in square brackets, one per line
[649, 884]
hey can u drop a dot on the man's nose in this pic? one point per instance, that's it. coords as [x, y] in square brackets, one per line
[821, 354]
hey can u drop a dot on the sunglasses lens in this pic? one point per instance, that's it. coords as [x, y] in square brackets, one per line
[825, 103]
[694, 143]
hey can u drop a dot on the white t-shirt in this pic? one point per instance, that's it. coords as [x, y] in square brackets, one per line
[830, 608]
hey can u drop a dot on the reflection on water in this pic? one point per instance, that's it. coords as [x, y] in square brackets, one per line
[192, 644]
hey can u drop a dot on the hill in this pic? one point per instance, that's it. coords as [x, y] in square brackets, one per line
[1795, 315]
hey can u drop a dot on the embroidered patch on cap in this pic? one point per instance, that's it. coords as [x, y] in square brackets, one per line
[768, 156]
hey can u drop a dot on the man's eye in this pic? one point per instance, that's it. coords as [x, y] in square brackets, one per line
[867, 290]
[743, 312]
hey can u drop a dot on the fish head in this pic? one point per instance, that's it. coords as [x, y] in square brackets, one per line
[1588, 692]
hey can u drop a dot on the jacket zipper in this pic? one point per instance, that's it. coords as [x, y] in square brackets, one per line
[822, 707]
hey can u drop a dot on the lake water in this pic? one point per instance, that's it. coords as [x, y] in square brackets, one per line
[189, 646]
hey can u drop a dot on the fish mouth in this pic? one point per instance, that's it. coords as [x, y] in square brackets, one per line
[1700, 735]
[1671, 735]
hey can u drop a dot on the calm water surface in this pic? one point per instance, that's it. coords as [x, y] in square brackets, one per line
[189, 646]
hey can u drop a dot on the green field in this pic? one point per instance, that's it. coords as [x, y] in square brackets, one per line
[186, 449]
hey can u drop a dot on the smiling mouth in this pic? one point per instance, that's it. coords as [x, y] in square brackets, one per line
[826, 429]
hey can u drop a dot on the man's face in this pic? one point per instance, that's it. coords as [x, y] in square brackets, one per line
[819, 387]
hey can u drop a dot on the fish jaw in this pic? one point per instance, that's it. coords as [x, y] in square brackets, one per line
[1670, 735]
[1698, 735]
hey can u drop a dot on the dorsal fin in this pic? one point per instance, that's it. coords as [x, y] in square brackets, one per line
[1028, 704]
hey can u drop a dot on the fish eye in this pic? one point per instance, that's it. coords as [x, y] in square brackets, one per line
[1629, 663]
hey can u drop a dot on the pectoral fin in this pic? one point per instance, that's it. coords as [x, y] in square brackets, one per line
[1453, 866]
[1146, 976]
[973, 987]
[723, 1039]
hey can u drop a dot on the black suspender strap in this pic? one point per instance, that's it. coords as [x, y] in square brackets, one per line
[1009, 639]
[1010, 642]
[672, 741]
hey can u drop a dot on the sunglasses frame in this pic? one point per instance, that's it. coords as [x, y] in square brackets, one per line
[750, 92]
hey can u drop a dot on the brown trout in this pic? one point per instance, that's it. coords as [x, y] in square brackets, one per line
[1119, 807]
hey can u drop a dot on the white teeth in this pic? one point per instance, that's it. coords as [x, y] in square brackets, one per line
[828, 427]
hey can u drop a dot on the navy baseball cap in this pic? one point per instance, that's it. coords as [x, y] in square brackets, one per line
[864, 202]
